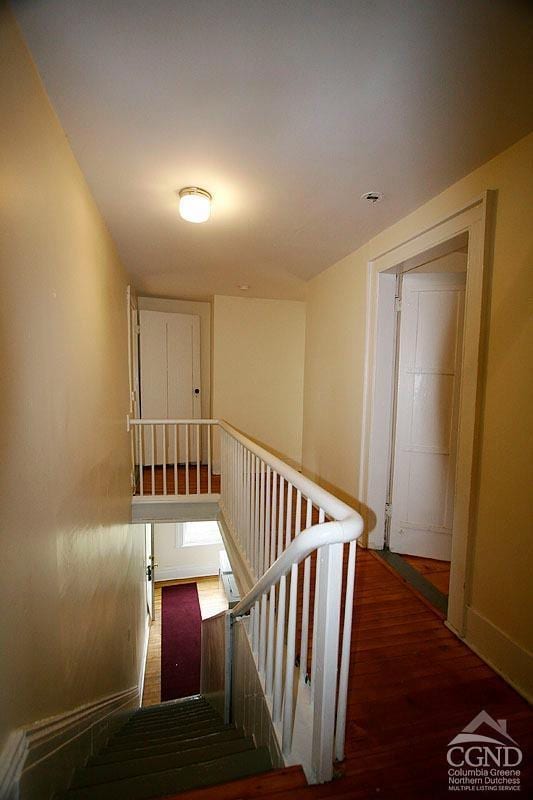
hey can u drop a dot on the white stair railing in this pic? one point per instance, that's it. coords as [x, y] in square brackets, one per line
[278, 518]
[299, 544]
[172, 459]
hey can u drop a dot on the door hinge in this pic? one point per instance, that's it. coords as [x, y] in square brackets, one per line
[388, 510]
[397, 304]
[138, 330]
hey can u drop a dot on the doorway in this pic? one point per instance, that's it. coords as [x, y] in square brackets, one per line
[445, 506]
[428, 335]
[170, 378]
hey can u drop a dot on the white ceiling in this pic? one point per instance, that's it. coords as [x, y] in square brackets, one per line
[286, 111]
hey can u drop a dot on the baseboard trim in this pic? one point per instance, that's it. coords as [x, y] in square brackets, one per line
[12, 760]
[513, 662]
[58, 745]
[186, 571]
[38, 759]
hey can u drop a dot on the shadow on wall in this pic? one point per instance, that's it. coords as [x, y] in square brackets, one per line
[366, 512]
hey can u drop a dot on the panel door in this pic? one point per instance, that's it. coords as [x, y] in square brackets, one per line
[429, 364]
[170, 380]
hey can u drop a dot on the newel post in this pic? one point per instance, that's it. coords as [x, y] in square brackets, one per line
[324, 688]
[228, 665]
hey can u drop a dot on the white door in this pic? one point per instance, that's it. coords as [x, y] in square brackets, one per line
[170, 377]
[429, 362]
[150, 569]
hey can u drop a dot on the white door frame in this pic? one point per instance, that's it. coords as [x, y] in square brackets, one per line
[379, 379]
[150, 563]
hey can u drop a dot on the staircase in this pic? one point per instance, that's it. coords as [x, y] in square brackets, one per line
[167, 749]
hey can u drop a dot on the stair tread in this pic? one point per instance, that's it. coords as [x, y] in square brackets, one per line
[102, 773]
[134, 725]
[171, 708]
[176, 703]
[165, 732]
[144, 787]
[188, 708]
[171, 746]
[184, 711]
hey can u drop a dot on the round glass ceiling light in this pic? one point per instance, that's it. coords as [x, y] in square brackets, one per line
[195, 204]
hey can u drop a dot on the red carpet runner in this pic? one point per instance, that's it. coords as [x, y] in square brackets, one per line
[180, 641]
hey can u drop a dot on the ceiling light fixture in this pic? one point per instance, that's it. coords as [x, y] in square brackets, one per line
[195, 204]
[243, 287]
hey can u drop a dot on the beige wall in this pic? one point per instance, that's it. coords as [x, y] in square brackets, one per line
[499, 620]
[72, 596]
[203, 310]
[258, 357]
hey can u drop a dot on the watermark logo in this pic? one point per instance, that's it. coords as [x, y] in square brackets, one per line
[484, 757]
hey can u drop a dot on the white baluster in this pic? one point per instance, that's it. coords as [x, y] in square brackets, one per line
[289, 668]
[342, 700]
[198, 461]
[321, 517]
[269, 679]
[280, 514]
[152, 442]
[262, 635]
[324, 688]
[288, 519]
[186, 459]
[209, 459]
[266, 558]
[256, 516]
[175, 459]
[164, 427]
[248, 504]
[141, 466]
[304, 640]
[273, 516]
[298, 518]
[280, 641]
[255, 635]
[261, 552]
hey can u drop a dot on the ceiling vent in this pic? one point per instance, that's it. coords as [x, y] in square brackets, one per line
[372, 197]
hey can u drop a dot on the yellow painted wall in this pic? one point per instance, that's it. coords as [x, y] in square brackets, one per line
[258, 358]
[71, 592]
[499, 622]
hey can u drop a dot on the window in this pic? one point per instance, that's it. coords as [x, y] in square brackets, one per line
[196, 534]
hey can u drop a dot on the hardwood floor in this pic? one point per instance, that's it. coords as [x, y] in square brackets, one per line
[437, 572]
[181, 480]
[212, 600]
[413, 687]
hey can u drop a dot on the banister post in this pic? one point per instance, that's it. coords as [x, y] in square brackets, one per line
[324, 690]
[228, 666]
